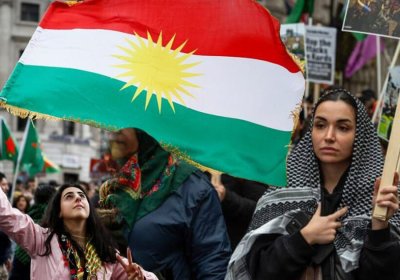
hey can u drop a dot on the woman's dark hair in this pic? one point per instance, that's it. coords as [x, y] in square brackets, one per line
[337, 94]
[2, 176]
[100, 237]
[44, 193]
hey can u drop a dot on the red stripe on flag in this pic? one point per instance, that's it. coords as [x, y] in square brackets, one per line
[233, 28]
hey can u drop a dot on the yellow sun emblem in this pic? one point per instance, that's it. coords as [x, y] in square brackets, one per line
[156, 69]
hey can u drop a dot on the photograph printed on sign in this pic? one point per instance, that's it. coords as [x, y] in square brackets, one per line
[373, 17]
[292, 35]
[389, 103]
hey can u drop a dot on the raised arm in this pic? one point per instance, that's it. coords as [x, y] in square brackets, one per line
[20, 227]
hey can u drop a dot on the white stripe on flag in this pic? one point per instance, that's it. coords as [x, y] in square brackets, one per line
[248, 89]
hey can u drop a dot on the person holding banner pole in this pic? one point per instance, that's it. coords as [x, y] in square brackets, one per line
[321, 225]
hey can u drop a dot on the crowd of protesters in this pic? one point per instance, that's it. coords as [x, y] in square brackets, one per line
[157, 217]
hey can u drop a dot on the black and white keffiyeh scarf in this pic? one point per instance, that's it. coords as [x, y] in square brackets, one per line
[277, 207]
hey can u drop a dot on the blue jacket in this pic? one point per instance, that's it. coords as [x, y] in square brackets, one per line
[186, 236]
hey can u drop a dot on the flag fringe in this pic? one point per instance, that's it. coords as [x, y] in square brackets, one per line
[185, 157]
[23, 113]
[302, 65]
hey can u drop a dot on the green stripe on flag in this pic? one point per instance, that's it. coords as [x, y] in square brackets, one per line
[112, 108]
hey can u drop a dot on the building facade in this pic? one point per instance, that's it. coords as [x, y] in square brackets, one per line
[68, 144]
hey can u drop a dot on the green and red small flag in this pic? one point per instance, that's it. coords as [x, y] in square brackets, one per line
[31, 158]
[49, 166]
[9, 147]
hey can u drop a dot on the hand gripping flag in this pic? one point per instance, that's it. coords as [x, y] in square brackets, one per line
[210, 80]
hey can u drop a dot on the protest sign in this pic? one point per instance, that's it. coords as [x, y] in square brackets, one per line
[373, 17]
[320, 54]
[389, 104]
[292, 36]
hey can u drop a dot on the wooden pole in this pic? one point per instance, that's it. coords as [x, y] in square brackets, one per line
[393, 151]
[391, 161]
[316, 92]
[306, 95]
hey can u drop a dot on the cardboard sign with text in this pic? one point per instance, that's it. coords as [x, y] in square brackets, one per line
[321, 54]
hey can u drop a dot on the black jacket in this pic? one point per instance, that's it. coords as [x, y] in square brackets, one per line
[239, 204]
[286, 257]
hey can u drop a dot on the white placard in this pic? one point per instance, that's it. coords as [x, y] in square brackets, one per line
[321, 54]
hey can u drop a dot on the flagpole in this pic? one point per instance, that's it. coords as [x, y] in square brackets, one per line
[378, 63]
[382, 90]
[307, 93]
[1, 148]
[19, 159]
[1, 143]
[14, 183]
[1, 137]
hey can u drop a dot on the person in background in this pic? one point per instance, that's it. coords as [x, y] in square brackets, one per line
[22, 262]
[5, 242]
[170, 213]
[19, 186]
[29, 190]
[5, 256]
[308, 105]
[21, 203]
[238, 200]
[53, 183]
[89, 188]
[4, 183]
[298, 131]
[321, 225]
[368, 98]
[71, 243]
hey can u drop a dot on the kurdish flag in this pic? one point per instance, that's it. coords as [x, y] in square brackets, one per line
[210, 80]
[9, 147]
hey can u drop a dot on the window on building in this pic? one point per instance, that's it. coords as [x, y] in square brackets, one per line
[69, 128]
[30, 12]
[70, 178]
[21, 123]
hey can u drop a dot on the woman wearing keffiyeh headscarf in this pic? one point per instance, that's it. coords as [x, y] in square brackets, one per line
[320, 226]
[170, 213]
